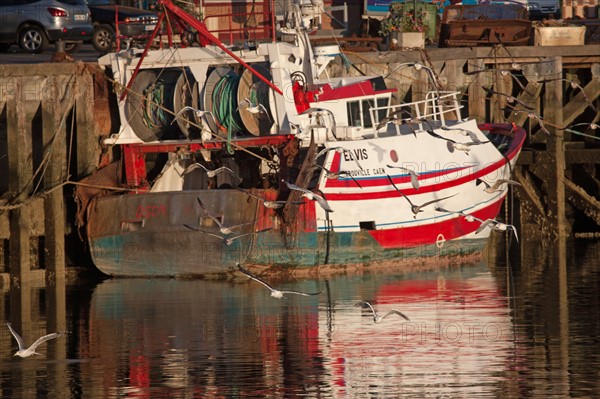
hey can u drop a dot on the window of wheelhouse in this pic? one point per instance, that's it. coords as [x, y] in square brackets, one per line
[359, 112]
[353, 108]
[382, 113]
[366, 112]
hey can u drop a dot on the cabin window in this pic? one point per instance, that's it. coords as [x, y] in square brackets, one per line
[366, 111]
[359, 113]
[353, 113]
[382, 113]
[370, 225]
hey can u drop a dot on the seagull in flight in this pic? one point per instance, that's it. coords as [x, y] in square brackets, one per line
[509, 98]
[339, 150]
[227, 240]
[26, 352]
[253, 108]
[498, 226]
[210, 173]
[198, 113]
[414, 176]
[455, 145]
[591, 126]
[574, 85]
[533, 115]
[311, 196]
[503, 72]
[225, 230]
[267, 203]
[417, 208]
[393, 117]
[275, 293]
[496, 186]
[376, 318]
[464, 132]
[492, 223]
[470, 218]
[336, 175]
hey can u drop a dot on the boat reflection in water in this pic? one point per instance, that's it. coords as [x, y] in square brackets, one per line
[165, 338]
[202, 337]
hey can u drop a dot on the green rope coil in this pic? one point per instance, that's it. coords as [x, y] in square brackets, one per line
[224, 99]
[154, 115]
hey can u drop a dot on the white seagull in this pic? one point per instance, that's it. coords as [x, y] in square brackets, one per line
[311, 196]
[210, 173]
[496, 186]
[225, 230]
[498, 226]
[592, 126]
[395, 117]
[417, 208]
[470, 218]
[575, 85]
[198, 113]
[455, 145]
[336, 175]
[227, 240]
[274, 292]
[509, 98]
[339, 150]
[492, 223]
[414, 176]
[268, 203]
[464, 132]
[533, 115]
[376, 317]
[26, 352]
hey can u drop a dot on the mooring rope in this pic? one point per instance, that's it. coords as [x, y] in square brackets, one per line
[46, 193]
[581, 134]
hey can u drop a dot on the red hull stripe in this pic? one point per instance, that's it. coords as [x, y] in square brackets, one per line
[405, 237]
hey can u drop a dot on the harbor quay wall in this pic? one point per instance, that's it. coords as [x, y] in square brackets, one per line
[54, 117]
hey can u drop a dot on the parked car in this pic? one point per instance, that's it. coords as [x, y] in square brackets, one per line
[543, 9]
[485, 24]
[133, 23]
[33, 24]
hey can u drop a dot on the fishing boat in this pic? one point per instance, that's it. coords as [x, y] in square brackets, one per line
[252, 155]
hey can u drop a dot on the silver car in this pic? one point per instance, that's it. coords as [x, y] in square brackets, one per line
[33, 24]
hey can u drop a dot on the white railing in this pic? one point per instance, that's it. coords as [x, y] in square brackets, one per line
[437, 106]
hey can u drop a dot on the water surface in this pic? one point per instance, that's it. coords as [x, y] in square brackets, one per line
[482, 329]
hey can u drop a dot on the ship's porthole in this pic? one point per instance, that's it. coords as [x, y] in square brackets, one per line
[440, 240]
[394, 155]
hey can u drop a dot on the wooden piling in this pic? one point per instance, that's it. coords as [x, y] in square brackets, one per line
[476, 94]
[46, 124]
[56, 102]
[553, 116]
[19, 175]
